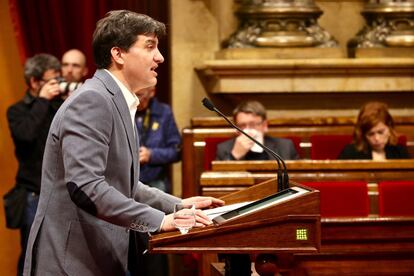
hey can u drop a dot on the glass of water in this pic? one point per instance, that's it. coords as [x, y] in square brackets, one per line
[184, 217]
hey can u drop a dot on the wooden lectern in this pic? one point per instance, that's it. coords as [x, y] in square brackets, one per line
[290, 225]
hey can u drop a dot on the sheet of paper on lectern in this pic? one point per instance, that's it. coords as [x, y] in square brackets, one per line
[212, 213]
[254, 206]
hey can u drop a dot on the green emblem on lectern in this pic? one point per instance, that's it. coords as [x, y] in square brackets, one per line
[302, 234]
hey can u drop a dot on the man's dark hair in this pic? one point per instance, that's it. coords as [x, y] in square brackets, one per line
[250, 107]
[120, 28]
[37, 65]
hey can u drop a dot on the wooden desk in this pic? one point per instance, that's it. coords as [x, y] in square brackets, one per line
[366, 246]
[349, 246]
[362, 246]
[231, 176]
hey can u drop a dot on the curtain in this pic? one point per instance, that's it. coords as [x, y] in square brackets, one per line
[55, 26]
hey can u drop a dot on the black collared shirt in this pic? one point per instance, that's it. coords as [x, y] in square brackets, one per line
[29, 123]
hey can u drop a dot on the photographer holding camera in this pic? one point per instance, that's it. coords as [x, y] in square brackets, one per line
[29, 121]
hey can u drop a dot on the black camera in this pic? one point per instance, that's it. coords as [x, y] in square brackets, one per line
[67, 87]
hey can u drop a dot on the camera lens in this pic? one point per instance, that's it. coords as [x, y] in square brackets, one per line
[67, 87]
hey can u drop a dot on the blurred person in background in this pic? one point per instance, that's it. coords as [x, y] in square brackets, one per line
[74, 68]
[160, 140]
[251, 117]
[160, 146]
[374, 136]
[29, 121]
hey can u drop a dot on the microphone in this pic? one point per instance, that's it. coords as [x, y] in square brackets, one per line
[282, 181]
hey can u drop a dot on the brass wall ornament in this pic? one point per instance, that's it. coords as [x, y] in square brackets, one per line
[390, 23]
[279, 23]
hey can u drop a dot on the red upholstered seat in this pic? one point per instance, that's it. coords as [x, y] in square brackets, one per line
[328, 146]
[210, 150]
[296, 142]
[342, 198]
[396, 198]
[402, 140]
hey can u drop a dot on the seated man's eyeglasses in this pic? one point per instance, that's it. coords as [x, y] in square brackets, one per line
[249, 124]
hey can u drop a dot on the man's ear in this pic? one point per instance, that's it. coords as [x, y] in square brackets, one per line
[265, 126]
[116, 54]
[34, 84]
[85, 71]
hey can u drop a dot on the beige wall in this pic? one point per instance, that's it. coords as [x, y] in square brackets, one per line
[342, 19]
[194, 38]
[198, 27]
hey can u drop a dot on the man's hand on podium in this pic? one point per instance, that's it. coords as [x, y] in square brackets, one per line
[203, 202]
[200, 202]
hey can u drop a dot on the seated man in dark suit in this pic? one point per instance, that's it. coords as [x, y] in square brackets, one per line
[252, 118]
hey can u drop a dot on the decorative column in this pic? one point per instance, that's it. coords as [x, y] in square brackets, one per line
[279, 23]
[390, 23]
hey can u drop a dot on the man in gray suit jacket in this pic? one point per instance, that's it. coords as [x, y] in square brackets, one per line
[252, 118]
[90, 193]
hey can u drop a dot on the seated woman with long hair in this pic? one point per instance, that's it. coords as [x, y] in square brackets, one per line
[374, 136]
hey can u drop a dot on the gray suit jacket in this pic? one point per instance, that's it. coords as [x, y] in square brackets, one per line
[90, 190]
[283, 147]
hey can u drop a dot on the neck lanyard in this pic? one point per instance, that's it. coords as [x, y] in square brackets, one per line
[146, 120]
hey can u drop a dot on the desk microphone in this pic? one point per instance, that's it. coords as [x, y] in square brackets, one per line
[282, 181]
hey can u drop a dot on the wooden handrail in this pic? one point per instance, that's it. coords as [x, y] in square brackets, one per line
[297, 121]
[315, 165]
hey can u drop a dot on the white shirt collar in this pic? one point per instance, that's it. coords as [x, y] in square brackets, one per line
[130, 98]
